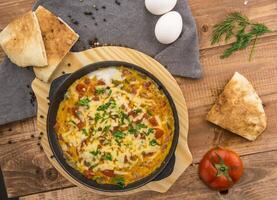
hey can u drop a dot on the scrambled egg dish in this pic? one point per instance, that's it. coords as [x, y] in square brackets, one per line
[115, 126]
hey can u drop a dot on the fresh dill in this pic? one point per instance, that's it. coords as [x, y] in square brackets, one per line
[240, 27]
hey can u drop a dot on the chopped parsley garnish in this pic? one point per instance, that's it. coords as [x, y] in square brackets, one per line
[106, 128]
[132, 130]
[137, 111]
[154, 142]
[118, 134]
[84, 102]
[105, 106]
[97, 117]
[123, 116]
[108, 156]
[95, 153]
[118, 141]
[149, 131]
[116, 82]
[71, 121]
[100, 91]
[110, 92]
[85, 132]
[140, 126]
[149, 113]
[136, 128]
[119, 180]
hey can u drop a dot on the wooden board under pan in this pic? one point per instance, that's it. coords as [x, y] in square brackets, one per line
[73, 62]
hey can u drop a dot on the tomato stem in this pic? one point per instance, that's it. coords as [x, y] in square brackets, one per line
[222, 169]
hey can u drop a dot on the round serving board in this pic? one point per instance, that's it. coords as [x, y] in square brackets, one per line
[73, 62]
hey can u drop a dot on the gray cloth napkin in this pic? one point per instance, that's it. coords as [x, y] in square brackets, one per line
[117, 22]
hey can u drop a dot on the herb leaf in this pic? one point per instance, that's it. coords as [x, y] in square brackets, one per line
[108, 156]
[242, 29]
[149, 131]
[84, 102]
[119, 180]
[118, 134]
[154, 142]
[100, 91]
[85, 132]
[95, 153]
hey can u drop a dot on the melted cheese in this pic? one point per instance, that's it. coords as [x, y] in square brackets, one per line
[107, 126]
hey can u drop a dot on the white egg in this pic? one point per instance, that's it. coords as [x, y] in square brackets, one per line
[159, 7]
[169, 27]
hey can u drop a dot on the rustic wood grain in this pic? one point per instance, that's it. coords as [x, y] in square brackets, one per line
[18, 131]
[20, 159]
[27, 169]
[200, 94]
[11, 9]
[209, 13]
[258, 182]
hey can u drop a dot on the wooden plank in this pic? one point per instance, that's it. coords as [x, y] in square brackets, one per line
[27, 170]
[202, 135]
[200, 95]
[18, 131]
[11, 9]
[258, 182]
[209, 13]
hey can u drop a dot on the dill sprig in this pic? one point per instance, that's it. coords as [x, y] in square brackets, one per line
[242, 29]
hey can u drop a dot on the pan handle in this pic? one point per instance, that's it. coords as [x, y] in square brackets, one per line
[167, 170]
[55, 85]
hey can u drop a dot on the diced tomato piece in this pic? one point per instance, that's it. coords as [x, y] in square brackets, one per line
[125, 159]
[108, 172]
[89, 174]
[74, 111]
[101, 82]
[87, 81]
[126, 72]
[147, 154]
[147, 84]
[133, 90]
[153, 121]
[132, 113]
[81, 125]
[159, 133]
[95, 98]
[81, 88]
[145, 116]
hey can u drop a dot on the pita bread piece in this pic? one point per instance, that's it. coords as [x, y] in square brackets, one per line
[239, 109]
[58, 39]
[21, 40]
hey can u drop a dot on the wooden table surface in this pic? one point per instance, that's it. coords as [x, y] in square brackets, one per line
[29, 175]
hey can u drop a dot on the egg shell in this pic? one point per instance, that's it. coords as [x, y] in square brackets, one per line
[159, 7]
[169, 27]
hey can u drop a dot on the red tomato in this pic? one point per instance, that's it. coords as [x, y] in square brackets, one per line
[109, 173]
[220, 168]
[89, 174]
[81, 89]
[81, 125]
[153, 121]
[159, 133]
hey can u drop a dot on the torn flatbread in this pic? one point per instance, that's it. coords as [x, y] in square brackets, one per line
[58, 39]
[21, 40]
[239, 109]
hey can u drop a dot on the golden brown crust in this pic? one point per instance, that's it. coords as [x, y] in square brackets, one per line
[239, 109]
[22, 41]
[58, 38]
